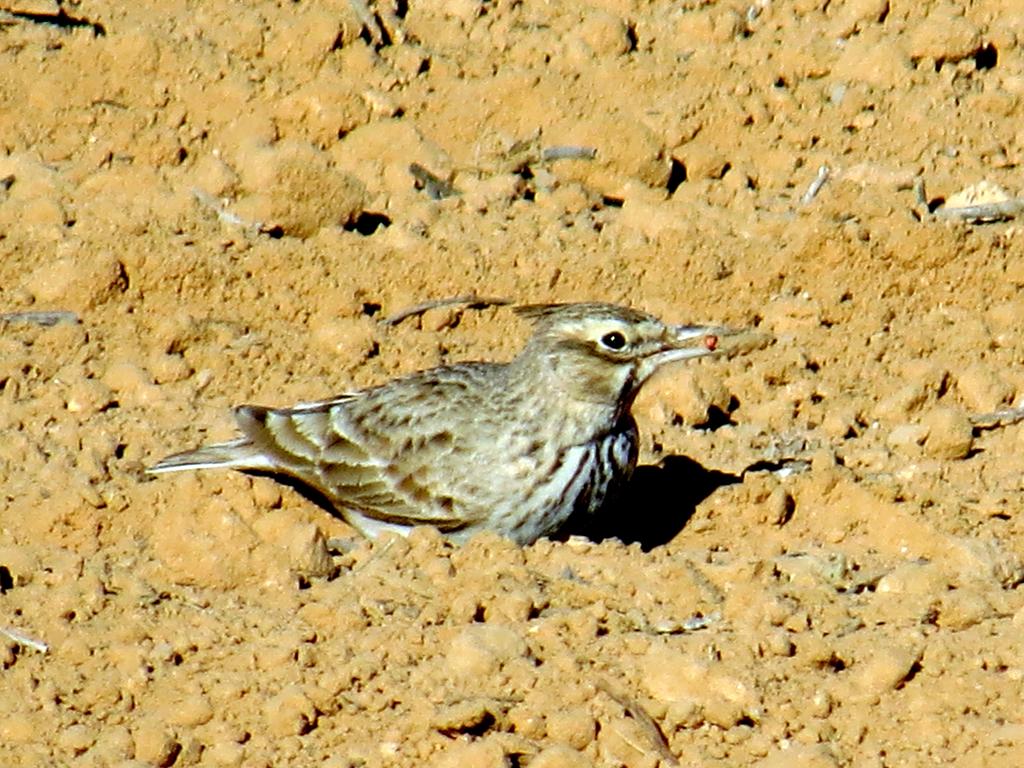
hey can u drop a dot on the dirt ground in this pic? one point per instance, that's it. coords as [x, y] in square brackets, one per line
[820, 562]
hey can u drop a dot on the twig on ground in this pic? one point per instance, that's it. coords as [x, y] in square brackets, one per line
[24, 640]
[1004, 209]
[567, 152]
[997, 419]
[43, 318]
[815, 186]
[470, 300]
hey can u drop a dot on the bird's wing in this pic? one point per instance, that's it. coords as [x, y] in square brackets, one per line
[357, 470]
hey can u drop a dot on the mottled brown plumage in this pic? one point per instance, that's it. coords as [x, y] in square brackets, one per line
[515, 447]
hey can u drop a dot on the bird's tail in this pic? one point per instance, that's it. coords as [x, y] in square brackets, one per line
[237, 454]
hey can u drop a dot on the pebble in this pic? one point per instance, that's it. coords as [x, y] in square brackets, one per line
[982, 389]
[479, 650]
[189, 711]
[901, 404]
[289, 713]
[304, 542]
[76, 739]
[574, 726]
[915, 578]
[464, 716]
[154, 742]
[950, 433]
[855, 15]
[884, 670]
[604, 33]
[963, 608]
[527, 721]
[907, 438]
[88, 396]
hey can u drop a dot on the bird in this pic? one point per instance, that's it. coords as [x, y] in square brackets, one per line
[513, 447]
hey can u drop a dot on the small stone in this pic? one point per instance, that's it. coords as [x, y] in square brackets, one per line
[77, 283]
[88, 396]
[303, 541]
[604, 33]
[907, 437]
[963, 608]
[574, 726]
[481, 649]
[950, 433]
[348, 338]
[76, 739]
[884, 670]
[289, 713]
[855, 15]
[154, 743]
[189, 711]
[982, 390]
[914, 579]
[464, 716]
[778, 643]
[527, 722]
[898, 406]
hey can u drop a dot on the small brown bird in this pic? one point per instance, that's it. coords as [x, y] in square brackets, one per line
[515, 447]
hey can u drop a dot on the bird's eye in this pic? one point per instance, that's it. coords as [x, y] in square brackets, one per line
[613, 340]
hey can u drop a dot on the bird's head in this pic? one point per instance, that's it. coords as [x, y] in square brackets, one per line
[604, 353]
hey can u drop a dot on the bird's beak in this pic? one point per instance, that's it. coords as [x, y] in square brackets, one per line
[683, 342]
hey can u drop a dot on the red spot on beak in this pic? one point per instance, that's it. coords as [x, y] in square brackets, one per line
[711, 342]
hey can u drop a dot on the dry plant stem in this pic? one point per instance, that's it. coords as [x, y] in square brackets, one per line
[815, 187]
[567, 153]
[998, 419]
[44, 318]
[24, 640]
[470, 300]
[655, 737]
[1007, 209]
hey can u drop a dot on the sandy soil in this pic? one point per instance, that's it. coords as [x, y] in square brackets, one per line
[819, 564]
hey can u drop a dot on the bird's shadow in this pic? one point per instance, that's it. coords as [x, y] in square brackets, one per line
[654, 506]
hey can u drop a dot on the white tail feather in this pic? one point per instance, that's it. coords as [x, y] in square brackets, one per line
[238, 454]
